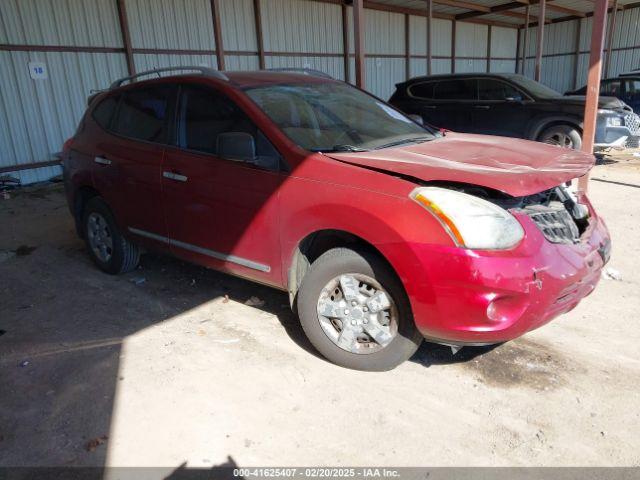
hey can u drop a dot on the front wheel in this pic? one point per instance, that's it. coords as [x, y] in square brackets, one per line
[355, 311]
[563, 136]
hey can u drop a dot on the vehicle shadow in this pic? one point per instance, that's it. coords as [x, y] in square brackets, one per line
[63, 325]
[430, 354]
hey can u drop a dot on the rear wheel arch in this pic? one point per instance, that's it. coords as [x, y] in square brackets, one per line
[81, 198]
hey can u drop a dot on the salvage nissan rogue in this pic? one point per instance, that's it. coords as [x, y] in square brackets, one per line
[383, 231]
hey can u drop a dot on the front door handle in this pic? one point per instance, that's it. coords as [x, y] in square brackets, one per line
[175, 176]
[431, 107]
[102, 160]
[482, 107]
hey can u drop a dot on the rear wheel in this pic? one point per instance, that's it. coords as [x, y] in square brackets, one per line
[563, 136]
[355, 312]
[108, 249]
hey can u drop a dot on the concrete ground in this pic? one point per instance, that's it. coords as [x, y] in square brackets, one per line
[157, 368]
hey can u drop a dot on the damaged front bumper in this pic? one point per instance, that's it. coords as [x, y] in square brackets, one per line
[625, 135]
[487, 297]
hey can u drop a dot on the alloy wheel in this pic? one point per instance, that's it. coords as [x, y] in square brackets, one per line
[99, 237]
[357, 314]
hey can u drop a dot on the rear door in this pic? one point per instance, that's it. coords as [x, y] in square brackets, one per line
[501, 109]
[451, 104]
[128, 162]
[222, 212]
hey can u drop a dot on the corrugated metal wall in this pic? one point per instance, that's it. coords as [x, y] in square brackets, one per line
[559, 69]
[37, 115]
[313, 30]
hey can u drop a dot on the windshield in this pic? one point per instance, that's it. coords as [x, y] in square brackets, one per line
[536, 89]
[333, 116]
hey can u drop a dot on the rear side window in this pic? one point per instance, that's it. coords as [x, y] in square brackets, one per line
[143, 114]
[422, 90]
[103, 113]
[456, 90]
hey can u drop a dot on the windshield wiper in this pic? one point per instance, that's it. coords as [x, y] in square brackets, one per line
[341, 148]
[404, 141]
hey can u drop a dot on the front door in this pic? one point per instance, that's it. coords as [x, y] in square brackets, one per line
[501, 109]
[220, 211]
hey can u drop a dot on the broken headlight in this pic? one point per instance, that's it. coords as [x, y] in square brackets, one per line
[470, 221]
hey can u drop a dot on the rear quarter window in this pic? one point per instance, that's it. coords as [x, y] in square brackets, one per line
[422, 90]
[103, 113]
[143, 114]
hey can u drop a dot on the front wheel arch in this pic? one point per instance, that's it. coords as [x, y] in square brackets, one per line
[313, 245]
[569, 129]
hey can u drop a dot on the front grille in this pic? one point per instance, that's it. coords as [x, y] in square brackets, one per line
[632, 122]
[555, 222]
[632, 142]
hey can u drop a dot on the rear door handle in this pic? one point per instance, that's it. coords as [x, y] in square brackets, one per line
[175, 176]
[431, 107]
[482, 107]
[102, 160]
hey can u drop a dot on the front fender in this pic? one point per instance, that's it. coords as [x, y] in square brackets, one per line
[393, 225]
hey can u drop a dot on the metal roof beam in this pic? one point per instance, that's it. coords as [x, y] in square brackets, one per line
[505, 7]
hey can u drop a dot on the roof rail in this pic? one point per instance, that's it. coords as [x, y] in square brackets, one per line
[303, 71]
[206, 71]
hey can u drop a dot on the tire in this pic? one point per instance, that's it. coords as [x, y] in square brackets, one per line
[562, 135]
[334, 264]
[122, 255]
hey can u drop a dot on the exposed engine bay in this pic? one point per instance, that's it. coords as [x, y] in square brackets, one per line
[555, 211]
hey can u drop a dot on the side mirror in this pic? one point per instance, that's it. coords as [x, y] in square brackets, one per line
[236, 146]
[416, 118]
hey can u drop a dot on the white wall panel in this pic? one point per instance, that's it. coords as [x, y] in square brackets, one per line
[37, 116]
[557, 72]
[55, 22]
[384, 32]
[301, 26]
[469, 66]
[503, 42]
[175, 24]
[242, 62]
[382, 74]
[334, 66]
[152, 61]
[471, 40]
[238, 25]
[441, 36]
[503, 66]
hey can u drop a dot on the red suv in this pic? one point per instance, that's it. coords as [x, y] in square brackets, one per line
[383, 231]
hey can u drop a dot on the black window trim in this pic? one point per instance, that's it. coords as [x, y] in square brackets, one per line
[526, 96]
[283, 166]
[171, 104]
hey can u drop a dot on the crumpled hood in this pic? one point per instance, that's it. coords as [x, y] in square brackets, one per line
[513, 166]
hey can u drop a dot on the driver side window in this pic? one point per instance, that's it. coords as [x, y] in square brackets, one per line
[206, 115]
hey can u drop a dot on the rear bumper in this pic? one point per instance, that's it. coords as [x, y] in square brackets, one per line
[472, 297]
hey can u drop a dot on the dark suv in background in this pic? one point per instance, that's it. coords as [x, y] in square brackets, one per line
[626, 88]
[512, 106]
